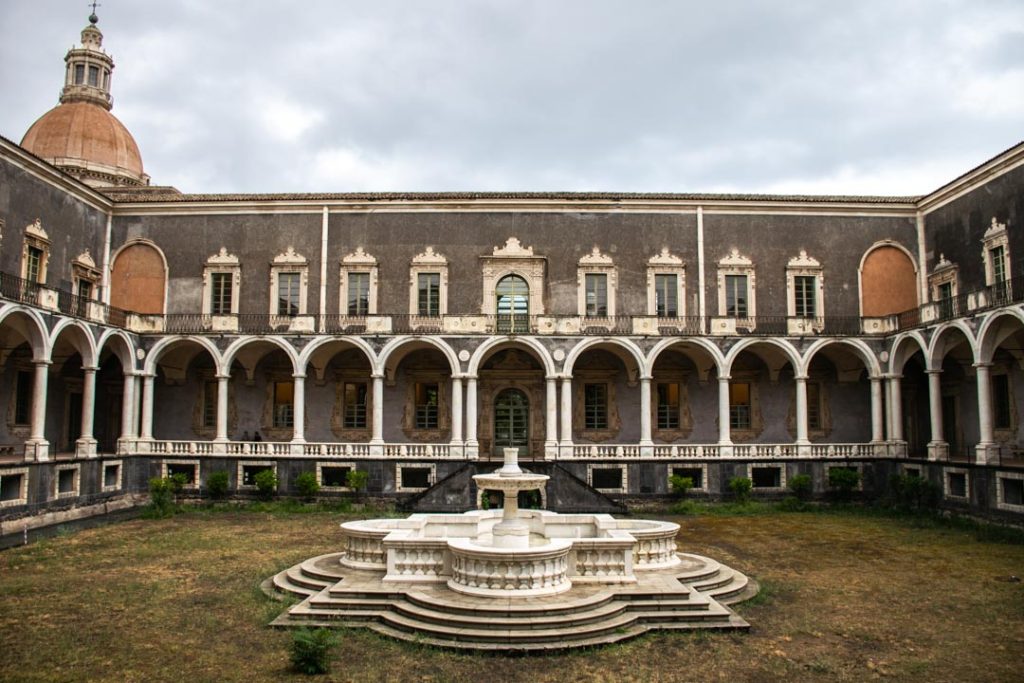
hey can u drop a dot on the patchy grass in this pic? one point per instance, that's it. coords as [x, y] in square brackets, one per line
[848, 596]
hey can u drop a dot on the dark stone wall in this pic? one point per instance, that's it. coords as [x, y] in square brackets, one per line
[72, 225]
[956, 229]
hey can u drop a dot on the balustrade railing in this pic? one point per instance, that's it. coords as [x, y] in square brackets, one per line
[19, 289]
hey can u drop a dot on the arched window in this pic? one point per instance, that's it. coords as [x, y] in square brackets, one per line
[512, 305]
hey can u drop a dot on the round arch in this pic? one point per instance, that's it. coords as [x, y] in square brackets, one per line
[29, 324]
[229, 353]
[787, 349]
[885, 286]
[491, 345]
[138, 277]
[628, 346]
[859, 348]
[80, 338]
[121, 346]
[903, 347]
[396, 346]
[988, 337]
[356, 342]
[167, 342]
[700, 342]
[938, 347]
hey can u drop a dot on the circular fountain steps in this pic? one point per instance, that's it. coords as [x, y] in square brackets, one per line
[692, 595]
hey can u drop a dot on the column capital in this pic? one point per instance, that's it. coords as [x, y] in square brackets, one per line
[646, 378]
[724, 378]
[376, 375]
[933, 372]
[90, 368]
[982, 365]
[224, 377]
[41, 362]
[801, 378]
[299, 375]
[565, 377]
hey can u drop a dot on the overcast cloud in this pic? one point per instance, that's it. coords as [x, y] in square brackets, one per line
[811, 96]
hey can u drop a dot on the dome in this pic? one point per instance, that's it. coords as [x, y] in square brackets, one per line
[88, 141]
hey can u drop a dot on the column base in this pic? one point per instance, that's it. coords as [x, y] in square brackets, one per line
[647, 449]
[725, 450]
[986, 454]
[472, 450]
[550, 450]
[37, 451]
[938, 450]
[565, 449]
[85, 448]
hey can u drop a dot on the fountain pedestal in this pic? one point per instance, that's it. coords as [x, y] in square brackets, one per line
[511, 532]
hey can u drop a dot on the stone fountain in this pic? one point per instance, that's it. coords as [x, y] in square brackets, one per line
[492, 579]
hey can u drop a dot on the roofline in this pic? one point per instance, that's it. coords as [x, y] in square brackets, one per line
[998, 165]
[44, 170]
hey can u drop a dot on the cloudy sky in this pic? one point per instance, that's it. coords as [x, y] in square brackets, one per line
[810, 96]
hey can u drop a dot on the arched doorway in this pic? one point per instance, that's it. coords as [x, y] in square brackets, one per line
[511, 421]
[512, 305]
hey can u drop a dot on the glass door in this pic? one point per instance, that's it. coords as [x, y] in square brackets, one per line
[511, 422]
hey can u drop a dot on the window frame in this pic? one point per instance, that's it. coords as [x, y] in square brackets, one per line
[596, 264]
[36, 241]
[734, 265]
[222, 265]
[291, 264]
[428, 262]
[358, 262]
[994, 238]
[666, 264]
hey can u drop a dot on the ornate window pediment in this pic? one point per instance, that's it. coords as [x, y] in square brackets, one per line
[222, 282]
[35, 253]
[996, 253]
[85, 275]
[666, 285]
[736, 287]
[428, 284]
[513, 259]
[805, 287]
[596, 283]
[289, 283]
[358, 284]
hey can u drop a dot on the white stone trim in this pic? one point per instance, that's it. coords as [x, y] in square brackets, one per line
[119, 464]
[222, 262]
[513, 259]
[289, 262]
[596, 263]
[702, 466]
[665, 263]
[805, 266]
[77, 479]
[320, 465]
[736, 264]
[431, 476]
[943, 272]
[608, 466]
[1000, 503]
[782, 475]
[995, 236]
[242, 464]
[859, 466]
[36, 237]
[428, 262]
[946, 471]
[174, 461]
[23, 494]
[358, 262]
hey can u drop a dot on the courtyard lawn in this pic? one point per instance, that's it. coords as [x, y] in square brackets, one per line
[846, 596]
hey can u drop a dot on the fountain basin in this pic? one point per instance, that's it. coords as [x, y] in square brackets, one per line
[509, 572]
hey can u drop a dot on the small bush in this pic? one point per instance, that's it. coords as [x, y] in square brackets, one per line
[311, 650]
[161, 497]
[843, 482]
[266, 484]
[684, 507]
[801, 486]
[680, 485]
[356, 479]
[177, 482]
[793, 504]
[740, 487]
[217, 484]
[307, 485]
[912, 493]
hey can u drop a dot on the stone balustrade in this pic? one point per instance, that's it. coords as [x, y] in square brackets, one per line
[501, 572]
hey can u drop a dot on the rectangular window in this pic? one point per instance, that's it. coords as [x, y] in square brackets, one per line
[1002, 418]
[358, 293]
[414, 477]
[606, 478]
[84, 289]
[595, 406]
[284, 396]
[79, 74]
[249, 473]
[766, 477]
[668, 406]
[736, 296]
[94, 76]
[739, 405]
[354, 406]
[695, 474]
[596, 285]
[288, 293]
[220, 304]
[814, 405]
[945, 293]
[806, 303]
[998, 256]
[429, 288]
[189, 471]
[426, 406]
[23, 398]
[956, 484]
[210, 403]
[111, 476]
[1012, 490]
[66, 481]
[34, 267]
[334, 477]
[666, 294]
[11, 487]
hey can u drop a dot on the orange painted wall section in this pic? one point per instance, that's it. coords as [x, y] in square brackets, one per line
[888, 283]
[137, 281]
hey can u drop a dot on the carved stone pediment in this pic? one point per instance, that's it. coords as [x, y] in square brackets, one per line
[289, 257]
[513, 249]
[804, 261]
[429, 258]
[735, 259]
[596, 258]
[359, 257]
[665, 258]
[223, 258]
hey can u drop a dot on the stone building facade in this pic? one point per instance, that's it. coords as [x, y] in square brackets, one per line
[621, 337]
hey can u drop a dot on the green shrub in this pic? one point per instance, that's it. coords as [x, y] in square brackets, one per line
[843, 482]
[307, 485]
[740, 487]
[217, 484]
[680, 485]
[161, 497]
[793, 504]
[356, 479]
[311, 650]
[177, 482]
[266, 484]
[912, 493]
[801, 486]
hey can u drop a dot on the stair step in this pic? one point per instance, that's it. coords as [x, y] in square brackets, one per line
[299, 578]
[284, 584]
[326, 568]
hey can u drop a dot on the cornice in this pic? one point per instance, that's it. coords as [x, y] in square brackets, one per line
[953, 190]
[51, 175]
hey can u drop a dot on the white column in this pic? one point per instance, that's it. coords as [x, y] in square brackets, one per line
[136, 404]
[456, 411]
[896, 408]
[645, 412]
[378, 410]
[37, 432]
[299, 409]
[566, 411]
[877, 411]
[551, 413]
[222, 407]
[935, 406]
[724, 438]
[146, 428]
[86, 443]
[471, 418]
[985, 439]
[128, 407]
[801, 411]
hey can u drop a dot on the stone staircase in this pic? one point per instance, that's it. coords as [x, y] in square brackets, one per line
[695, 594]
